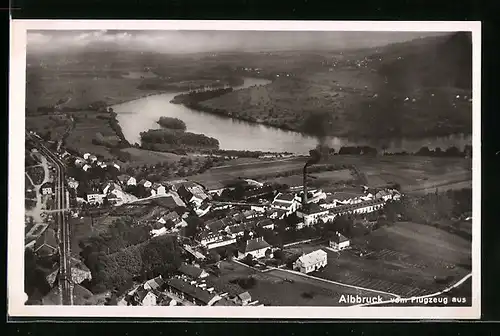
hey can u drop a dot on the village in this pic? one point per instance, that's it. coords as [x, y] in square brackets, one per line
[232, 230]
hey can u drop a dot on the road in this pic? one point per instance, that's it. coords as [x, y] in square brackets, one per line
[65, 282]
[414, 298]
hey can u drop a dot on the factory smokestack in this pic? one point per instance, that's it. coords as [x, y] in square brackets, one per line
[314, 157]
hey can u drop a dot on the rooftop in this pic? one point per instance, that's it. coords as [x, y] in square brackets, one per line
[190, 270]
[339, 238]
[351, 207]
[313, 257]
[191, 290]
[256, 244]
[288, 197]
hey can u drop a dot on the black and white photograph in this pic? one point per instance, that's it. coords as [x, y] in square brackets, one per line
[244, 169]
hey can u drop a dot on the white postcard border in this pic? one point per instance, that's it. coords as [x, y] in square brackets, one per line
[15, 267]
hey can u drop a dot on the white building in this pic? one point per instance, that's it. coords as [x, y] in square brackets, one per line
[127, 180]
[339, 242]
[203, 209]
[145, 183]
[311, 262]
[313, 214]
[86, 167]
[95, 198]
[286, 202]
[257, 248]
[86, 156]
[158, 189]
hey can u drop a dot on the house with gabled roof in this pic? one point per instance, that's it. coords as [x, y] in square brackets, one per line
[158, 188]
[203, 209]
[266, 223]
[311, 262]
[46, 245]
[145, 183]
[256, 247]
[127, 180]
[157, 283]
[193, 272]
[312, 214]
[144, 297]
[339, 242]
[192, 292]
[286, 202]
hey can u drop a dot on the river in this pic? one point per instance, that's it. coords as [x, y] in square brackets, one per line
[142, 114]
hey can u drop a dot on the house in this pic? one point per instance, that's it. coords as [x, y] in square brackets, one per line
[260, 192]
[79, 271]
[102, 165]
[159, 189]
[112, 187]
[86, 167]
[266, 224]
[312, 214]
[250, 214]
[192, 272]
[256, 247]
[236, 230]
[86, 156]
[155, 284]
[65, 154]
[225, 302]
[92, 158]
[94, 198]
[145, 183]
[79, 162]
[384, 195]
[217, 191]
[339, 242]
[287, 202]
[203, 209]
[46, 189]
[127, 180]
[313, 196]
[213, 240]
[144, 297]
[311, 262]
[117, 166]
[174, 218]
[243, 299]
[357, 208]
[46, 245]
[193, 195]
[72, 183]
[277, 214]
[216, 225]
[192, 292]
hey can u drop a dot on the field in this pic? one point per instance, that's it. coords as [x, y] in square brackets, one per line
[55, 125]
[90, 126]
[272, 289]
[411, 172]
[215, 177]
[327, 180]
[405, 259]
[140, 157]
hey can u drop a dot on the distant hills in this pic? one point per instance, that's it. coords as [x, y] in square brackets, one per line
[443, 61]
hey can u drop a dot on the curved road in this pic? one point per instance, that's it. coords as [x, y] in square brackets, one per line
[458, 283]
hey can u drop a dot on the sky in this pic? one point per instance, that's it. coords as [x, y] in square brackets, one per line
[211, 41]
